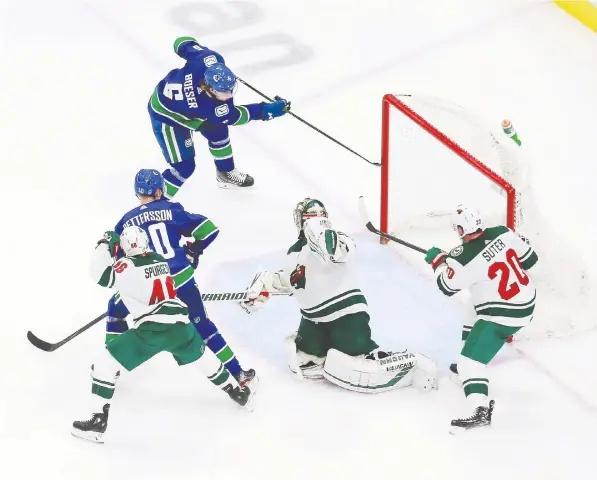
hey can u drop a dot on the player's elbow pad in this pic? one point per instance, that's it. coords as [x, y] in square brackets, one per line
[100, 261]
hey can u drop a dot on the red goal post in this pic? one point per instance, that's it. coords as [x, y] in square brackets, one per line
[392, 101]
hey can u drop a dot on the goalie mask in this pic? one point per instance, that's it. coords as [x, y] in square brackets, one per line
[308, 208]
[467, 221]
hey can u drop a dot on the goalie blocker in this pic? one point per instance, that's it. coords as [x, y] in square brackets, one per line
[333, 340]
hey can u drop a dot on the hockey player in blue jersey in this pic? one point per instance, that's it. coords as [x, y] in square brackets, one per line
[167, 224]
[199, 98]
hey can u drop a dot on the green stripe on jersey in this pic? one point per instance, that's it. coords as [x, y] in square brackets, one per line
[159, 108]
[336, 307]
[180, 40]
[244, 118]
[204, 230]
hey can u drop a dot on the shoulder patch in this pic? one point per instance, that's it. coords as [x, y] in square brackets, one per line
[456, 251]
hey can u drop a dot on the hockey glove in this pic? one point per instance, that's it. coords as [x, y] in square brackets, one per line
[112, 239]
[257, 293]
[193, 251]
[275, 109]
[435, 257]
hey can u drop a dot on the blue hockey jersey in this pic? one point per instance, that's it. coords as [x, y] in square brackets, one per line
[178, 100]
[166, 223]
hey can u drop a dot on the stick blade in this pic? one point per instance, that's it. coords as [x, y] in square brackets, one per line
[365, 215]
[39, 343]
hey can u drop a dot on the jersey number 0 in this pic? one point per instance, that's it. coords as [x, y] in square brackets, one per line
[503, 269]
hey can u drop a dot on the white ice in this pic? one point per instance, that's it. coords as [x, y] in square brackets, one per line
[74, 129]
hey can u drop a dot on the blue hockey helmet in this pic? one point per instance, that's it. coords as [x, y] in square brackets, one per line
[219, 77]
[147, 181]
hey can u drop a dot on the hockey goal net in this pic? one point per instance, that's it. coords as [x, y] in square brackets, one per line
[437, 155]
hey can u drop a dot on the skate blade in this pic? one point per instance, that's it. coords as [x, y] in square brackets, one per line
[95, 437]
[460, 430]
[231, 186]
[250, 405]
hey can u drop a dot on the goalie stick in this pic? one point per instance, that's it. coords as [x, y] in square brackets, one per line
[371, 228]
[207, 297]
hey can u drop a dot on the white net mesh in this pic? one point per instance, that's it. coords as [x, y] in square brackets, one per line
[427, 181]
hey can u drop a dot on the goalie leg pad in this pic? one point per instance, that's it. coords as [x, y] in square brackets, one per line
[425, 377]
[360, 374]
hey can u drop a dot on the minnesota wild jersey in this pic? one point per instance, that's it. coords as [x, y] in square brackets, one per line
[144, 283]
[493, 267]
[325, 291]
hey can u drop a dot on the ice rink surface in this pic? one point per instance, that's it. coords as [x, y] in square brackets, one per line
[76, 81]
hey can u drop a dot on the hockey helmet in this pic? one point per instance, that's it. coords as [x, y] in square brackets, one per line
[147, 181]
[221, 79]
[308, 208]
[134, 241]
[469, 220]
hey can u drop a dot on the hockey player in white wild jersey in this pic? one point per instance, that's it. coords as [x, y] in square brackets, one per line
[333, 340]
[492, 264]
[159, 324]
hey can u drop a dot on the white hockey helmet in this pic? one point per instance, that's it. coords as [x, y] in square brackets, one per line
[308, 208]
[134, 241]
[469, 220]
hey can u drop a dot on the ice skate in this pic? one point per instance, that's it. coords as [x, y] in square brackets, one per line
[243, 396]
[234, 179]
[94, 428]
[480, 418]
[245, 376]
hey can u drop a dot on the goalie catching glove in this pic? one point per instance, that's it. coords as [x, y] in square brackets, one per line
[258, 291]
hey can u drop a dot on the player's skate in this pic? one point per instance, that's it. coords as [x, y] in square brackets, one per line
[94, 428]
[245, 376]
[242, 395]
[234, 179]
[480, 418]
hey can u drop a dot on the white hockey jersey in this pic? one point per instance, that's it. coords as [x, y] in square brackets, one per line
[144, 283]
[493, 267]
[324, 291]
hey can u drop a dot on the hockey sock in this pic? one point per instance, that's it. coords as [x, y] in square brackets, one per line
[104, 374]
[221, 150]
[172, 182]
[213, 369]
[474, 379]
[115, 327]
[216, 343]
[466, 329]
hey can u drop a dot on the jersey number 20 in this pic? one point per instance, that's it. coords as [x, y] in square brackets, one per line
[158, 294]
[506, 289]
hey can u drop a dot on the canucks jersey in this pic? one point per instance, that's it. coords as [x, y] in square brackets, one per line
[167, 224]
[493, 267]
[178, 99]
[324, 291]
[144, 283]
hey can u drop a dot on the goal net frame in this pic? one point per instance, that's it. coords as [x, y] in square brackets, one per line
[392, 101]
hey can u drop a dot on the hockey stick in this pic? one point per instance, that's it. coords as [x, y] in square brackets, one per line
[207, 297]
[371, 228]
[50, 347]
[377, 164]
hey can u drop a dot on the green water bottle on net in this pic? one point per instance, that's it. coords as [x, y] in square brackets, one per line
[509, 130]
